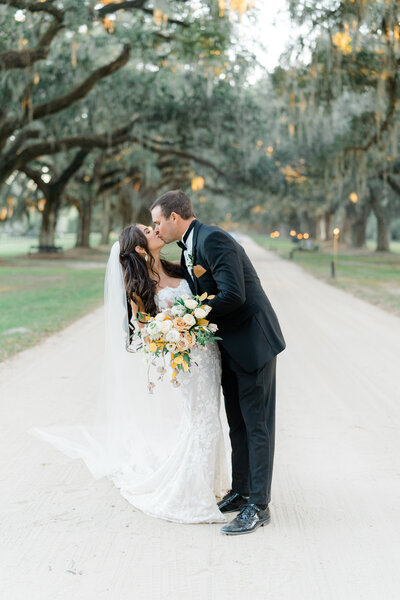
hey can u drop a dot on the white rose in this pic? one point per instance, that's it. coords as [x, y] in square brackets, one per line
[200, 313]
[166, 326]
[160, 316]
[190, 303]
[170, 347]
[207, 308]
[213, 327]
[178, 310]
[173, 336]
[185, 296]
[154, 330]
[189, 320]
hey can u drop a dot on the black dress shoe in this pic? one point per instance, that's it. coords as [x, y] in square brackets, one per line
[232, 502]
[249, 518]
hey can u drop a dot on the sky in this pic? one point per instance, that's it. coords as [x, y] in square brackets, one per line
[268, 37]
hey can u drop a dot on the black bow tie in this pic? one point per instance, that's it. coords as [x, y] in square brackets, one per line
[182, 244]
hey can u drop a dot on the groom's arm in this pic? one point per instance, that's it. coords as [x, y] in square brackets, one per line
[222, 255]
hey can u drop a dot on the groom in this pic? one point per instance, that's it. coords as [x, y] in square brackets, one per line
[214, 262]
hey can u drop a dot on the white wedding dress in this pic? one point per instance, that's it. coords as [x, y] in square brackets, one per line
[184, 487]
[165, 450]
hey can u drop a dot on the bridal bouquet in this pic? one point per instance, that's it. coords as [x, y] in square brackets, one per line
[176, 331]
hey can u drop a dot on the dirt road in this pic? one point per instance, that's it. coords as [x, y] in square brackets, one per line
[335, 531]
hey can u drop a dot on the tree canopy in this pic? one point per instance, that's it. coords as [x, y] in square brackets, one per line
[105, 105]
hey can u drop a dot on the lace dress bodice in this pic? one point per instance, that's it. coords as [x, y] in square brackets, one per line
[168, 294]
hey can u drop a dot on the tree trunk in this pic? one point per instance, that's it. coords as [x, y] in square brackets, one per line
[355, 223]
[49, 221]
[320, 232]
[79, 236]
[359, 226]
[358, 233]
[53, 193]
[307, 224]
[106, 220]
[84, 224]
[383, 233]
[89, 197]
[382, 214]
[328, 226]
[124, 207]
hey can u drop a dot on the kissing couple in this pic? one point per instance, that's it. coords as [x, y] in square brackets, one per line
[165, 450]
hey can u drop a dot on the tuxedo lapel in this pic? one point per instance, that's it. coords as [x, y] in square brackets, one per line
[187, 274]
[196, 229]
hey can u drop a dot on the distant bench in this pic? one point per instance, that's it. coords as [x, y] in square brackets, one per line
[47, 249]
[309, 246]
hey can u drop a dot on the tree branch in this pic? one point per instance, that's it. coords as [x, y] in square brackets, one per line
[58, 184]
[20, 139]
[62, 102]
[19, 160]
[183, 154]
[80, 91]
[36, 176]
[129, 4]
[72, 168]
[47, 7]
[13, 59]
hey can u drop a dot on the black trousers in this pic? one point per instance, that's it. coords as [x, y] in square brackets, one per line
[250, 409]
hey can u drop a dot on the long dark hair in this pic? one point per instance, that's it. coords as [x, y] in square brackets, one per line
[139, 276]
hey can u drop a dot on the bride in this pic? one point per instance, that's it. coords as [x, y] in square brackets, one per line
[163, 450]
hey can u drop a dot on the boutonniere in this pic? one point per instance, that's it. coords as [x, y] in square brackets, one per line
[189, 261]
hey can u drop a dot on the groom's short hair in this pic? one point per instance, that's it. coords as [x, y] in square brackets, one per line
[174, 201]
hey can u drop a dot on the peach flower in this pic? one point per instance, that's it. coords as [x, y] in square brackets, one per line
[182, 345]
[180, 324]
[191, 339]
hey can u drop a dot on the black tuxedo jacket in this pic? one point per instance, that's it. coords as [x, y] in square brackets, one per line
[248, 325]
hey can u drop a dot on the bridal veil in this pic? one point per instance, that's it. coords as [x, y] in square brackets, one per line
[133, 430]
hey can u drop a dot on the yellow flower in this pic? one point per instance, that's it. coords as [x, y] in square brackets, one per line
[185, 366]
[152, 347]
[178, 360]
[203, 322]
[203, 297]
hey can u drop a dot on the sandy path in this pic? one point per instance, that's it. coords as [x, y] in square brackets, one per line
[336, 521]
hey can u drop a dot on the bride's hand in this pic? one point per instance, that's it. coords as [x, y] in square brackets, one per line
[138, 306]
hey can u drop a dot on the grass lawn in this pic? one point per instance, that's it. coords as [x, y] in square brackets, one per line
[12, 246]
[375, 277]
[43, 294]
[42, 299]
